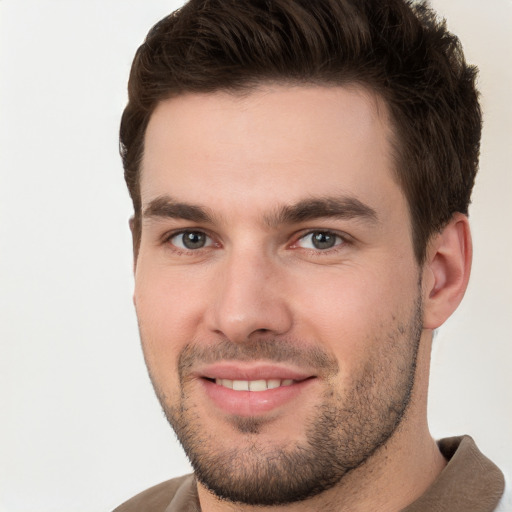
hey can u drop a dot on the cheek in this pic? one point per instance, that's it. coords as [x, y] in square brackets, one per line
[168, 311]
[349, 310]
[168, 300]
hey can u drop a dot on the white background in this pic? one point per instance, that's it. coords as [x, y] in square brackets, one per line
[80, 429]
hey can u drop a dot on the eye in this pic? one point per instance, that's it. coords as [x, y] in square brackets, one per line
[191, 240]
[319, 240]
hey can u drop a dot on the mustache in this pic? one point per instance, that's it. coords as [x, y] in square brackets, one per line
[277, 351]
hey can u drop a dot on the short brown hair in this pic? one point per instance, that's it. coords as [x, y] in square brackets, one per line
[396, 48]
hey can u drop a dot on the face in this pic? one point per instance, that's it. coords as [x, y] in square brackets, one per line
[276, 287]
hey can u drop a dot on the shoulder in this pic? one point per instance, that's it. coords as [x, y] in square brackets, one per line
[156, 498]
[469, 481]
[505, 504]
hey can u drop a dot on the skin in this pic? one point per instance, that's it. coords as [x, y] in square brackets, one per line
[241, 159]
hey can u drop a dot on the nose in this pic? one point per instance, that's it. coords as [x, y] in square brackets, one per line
[250, 299]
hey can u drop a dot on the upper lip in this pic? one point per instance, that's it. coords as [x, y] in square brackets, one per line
[235, 370]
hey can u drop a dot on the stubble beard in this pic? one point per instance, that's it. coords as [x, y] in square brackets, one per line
[342, 432]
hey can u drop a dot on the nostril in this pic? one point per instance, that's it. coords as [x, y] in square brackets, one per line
[260, 333]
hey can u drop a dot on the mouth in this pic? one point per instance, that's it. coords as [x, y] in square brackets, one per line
[253, 385]
[245, 390]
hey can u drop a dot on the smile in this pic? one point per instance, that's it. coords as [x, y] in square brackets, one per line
[253, 385]
[252, 395]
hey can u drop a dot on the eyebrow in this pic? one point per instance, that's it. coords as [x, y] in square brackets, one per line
[166, 207]
[343, 207]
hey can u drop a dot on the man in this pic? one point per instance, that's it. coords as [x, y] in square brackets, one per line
[301, 173]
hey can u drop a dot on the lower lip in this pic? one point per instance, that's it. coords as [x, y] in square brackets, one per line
[253, 403]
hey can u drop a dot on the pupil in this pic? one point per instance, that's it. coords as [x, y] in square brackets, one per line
[194, 240]
[323, 240]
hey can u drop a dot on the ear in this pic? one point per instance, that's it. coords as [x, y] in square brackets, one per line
[446, 271]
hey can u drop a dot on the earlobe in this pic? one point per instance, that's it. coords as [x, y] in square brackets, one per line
[446, 271]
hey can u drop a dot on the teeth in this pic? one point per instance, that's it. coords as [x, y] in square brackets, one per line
[253, 385]
[226, 383]
[240, 385]
[257, 385]
[273, 383]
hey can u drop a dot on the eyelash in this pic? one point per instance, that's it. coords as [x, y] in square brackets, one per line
[341, 240]
[180, 250]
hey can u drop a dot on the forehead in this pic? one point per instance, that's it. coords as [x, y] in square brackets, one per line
[272, 145]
